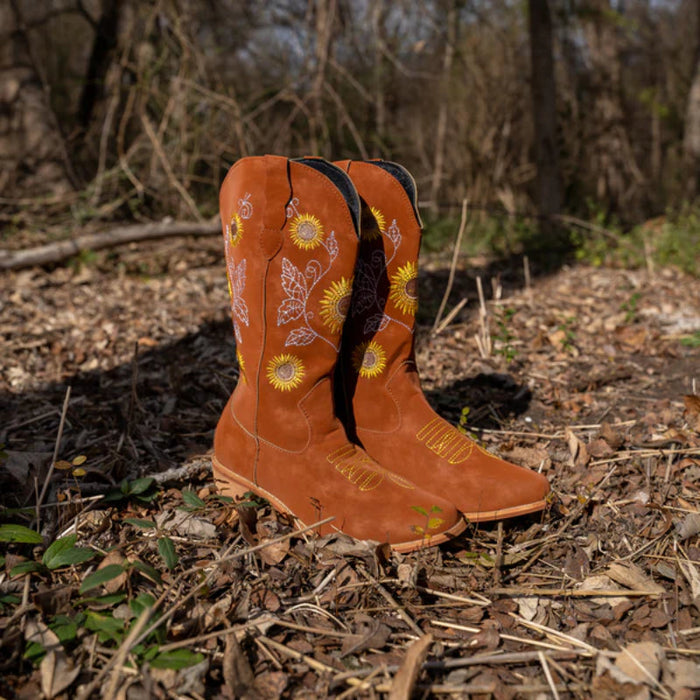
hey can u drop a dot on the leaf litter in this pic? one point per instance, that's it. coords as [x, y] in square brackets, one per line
[163, 588]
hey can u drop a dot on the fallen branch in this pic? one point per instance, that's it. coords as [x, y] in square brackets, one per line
[61, 250]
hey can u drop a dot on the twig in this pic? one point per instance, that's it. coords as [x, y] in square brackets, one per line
[56, 448]
[448, 319]
[548, 675]
[453, 266]
[483, 337]
[389, 599]
[61, 250]
[582, 593]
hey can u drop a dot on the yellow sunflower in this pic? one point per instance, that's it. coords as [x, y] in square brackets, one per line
[373, 224]
[335, 303]
[241, 365]
[285, 372]
[306, 231]
[404, 288]
[369, 359]
[234, 229]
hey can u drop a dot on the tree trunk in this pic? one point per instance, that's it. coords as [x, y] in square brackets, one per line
[691, 136]
[544, 108]
[32, 151]
[441, 126]
[612, 161]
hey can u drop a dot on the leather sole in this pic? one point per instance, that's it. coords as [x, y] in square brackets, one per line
[504, 513]
[235, 486]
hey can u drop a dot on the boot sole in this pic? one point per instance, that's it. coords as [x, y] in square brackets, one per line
[235, 486]
[504, 513]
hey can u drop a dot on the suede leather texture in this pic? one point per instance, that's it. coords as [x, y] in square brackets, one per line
[386, 411]
[291, 247]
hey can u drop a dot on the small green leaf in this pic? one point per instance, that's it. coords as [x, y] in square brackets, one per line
[101, 576]
[167, 551]
[107, 627]
[25, 567]
[138, 486]
[10, 532]
[34, 652]
[192, 499]
[140, 522]
[104, 600]
[435, 509]
[176, 659]
[141, 602]
[63, 552]
[420, 510]
[147, 570]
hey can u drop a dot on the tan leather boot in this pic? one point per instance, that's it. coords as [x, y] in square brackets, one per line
[392, 419]
[291, 239]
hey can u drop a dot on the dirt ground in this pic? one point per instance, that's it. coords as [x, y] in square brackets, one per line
[592, 378]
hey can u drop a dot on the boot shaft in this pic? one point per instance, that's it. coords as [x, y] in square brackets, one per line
[379, 336]
[291, 236]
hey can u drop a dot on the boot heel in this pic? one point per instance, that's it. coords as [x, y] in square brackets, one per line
[228, 485]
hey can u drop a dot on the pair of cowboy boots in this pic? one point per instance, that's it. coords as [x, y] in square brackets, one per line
[322, 263]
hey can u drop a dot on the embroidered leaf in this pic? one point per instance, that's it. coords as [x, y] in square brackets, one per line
[293, 281]
[237, 332]
[240, 308]
[394, 234]
[290, 310]
[332, 246]
[245, 208]
[313, 272]
[300, 336]
[375, 323]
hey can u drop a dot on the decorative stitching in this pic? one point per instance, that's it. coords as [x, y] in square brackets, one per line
[445, 441]
[370, 273]
[404, 291]
[285, 372]
[369, 359]
[298, 286]
[354, 466]
[336, 303]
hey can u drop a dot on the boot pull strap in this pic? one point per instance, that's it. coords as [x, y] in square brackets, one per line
[278, 192]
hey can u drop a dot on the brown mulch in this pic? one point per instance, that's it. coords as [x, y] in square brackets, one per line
[591, 379]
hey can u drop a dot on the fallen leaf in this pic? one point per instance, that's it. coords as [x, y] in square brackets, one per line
[688, 527]
[641, 661]
[117, 583]
[185, 524]
[237, 672]
[683, 674]
[406, 676]
[692, 404]
[370, 634]
[632, 577]
[602, 583]
[578, 451]
[57, 673]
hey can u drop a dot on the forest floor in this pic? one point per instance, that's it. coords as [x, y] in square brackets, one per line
[163, 589]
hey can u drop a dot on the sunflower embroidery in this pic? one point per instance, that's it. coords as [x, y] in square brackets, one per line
[234, 229]
[285, 372]
[306, 231]
[369, 359]
[373, 224]
[241, 365]
[404, 288]
[336, 303]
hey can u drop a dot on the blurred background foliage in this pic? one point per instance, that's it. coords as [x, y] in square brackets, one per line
[564, 122]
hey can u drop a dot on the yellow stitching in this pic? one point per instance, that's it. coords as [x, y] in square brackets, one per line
[445, 441]
[400, 481]
[354, 468]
